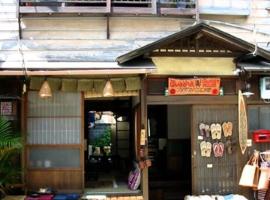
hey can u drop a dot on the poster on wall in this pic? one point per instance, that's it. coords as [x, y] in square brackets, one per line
[242, 122]
[196, 86]
[6, 108]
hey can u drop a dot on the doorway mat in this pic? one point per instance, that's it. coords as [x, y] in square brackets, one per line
[120, 188]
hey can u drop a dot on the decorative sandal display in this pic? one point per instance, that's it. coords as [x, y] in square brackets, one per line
[218, 149]
[213, 131]
[208, 149]
[203, 147]
[227, 129]
[202, 129]
[207, 130]
[216, 131]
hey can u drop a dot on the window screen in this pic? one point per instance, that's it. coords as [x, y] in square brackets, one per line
[258, 117]
[54, 158]
[56, 120]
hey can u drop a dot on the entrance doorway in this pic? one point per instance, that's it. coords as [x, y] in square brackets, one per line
[170, 150]
[110, 146]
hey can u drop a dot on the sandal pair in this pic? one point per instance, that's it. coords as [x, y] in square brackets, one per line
[218, 149]
[204, 130]
[216, 131]
[206, 148]
[227, 129]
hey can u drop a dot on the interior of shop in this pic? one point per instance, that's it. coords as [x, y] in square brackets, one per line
[169, 143]
[110, 146]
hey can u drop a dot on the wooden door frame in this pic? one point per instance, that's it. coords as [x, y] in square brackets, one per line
[82, 158]
[193, 152]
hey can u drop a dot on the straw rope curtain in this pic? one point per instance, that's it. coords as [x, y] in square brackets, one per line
[118, 84]
[55, 83]
[36, 83]
[69, 85]
[133, 83]
[85, 85]
[99, 85]
[122, 86]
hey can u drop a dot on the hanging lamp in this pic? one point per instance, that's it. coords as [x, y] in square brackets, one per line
[45, 90]
[108, 89]
[247, 91]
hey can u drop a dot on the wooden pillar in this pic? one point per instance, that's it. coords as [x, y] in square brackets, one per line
[24, 136]
[144, 125]
[82, 141]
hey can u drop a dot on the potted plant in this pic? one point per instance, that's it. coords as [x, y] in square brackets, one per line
[103, 141]
[10, 149]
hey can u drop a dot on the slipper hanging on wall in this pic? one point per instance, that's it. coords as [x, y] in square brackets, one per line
[202, 129]
[227, 129]
[203, 148]
[218, 149]
[207, 130]
[208, 149]
[216, 131]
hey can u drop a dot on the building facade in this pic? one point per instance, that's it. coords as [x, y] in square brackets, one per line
[77, 46]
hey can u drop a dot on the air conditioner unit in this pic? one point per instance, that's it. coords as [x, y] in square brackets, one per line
[265, 87]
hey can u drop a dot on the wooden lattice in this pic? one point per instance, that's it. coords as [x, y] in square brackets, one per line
[199, 44]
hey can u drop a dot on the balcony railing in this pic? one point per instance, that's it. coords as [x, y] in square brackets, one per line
[64, 6]
[151, 7]
[174, 7]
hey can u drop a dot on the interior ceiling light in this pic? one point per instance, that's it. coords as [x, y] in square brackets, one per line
[45, 90]
[108, 89]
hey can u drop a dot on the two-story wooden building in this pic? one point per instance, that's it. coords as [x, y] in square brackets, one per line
[77, 47]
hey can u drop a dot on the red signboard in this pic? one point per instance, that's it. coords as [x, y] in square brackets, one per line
[198, 86]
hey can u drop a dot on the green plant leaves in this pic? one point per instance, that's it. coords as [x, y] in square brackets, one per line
[10, 148]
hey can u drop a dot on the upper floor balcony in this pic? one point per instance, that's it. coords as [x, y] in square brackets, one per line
[133, 7]
[137, 7]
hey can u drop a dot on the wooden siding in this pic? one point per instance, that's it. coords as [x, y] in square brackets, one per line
[223, 176]
[9, 28]
[60, 179]
[75, 39]
[259, 16]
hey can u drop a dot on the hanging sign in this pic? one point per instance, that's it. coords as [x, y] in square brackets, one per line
[6, 108]
[198, 86]
[242, 122]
